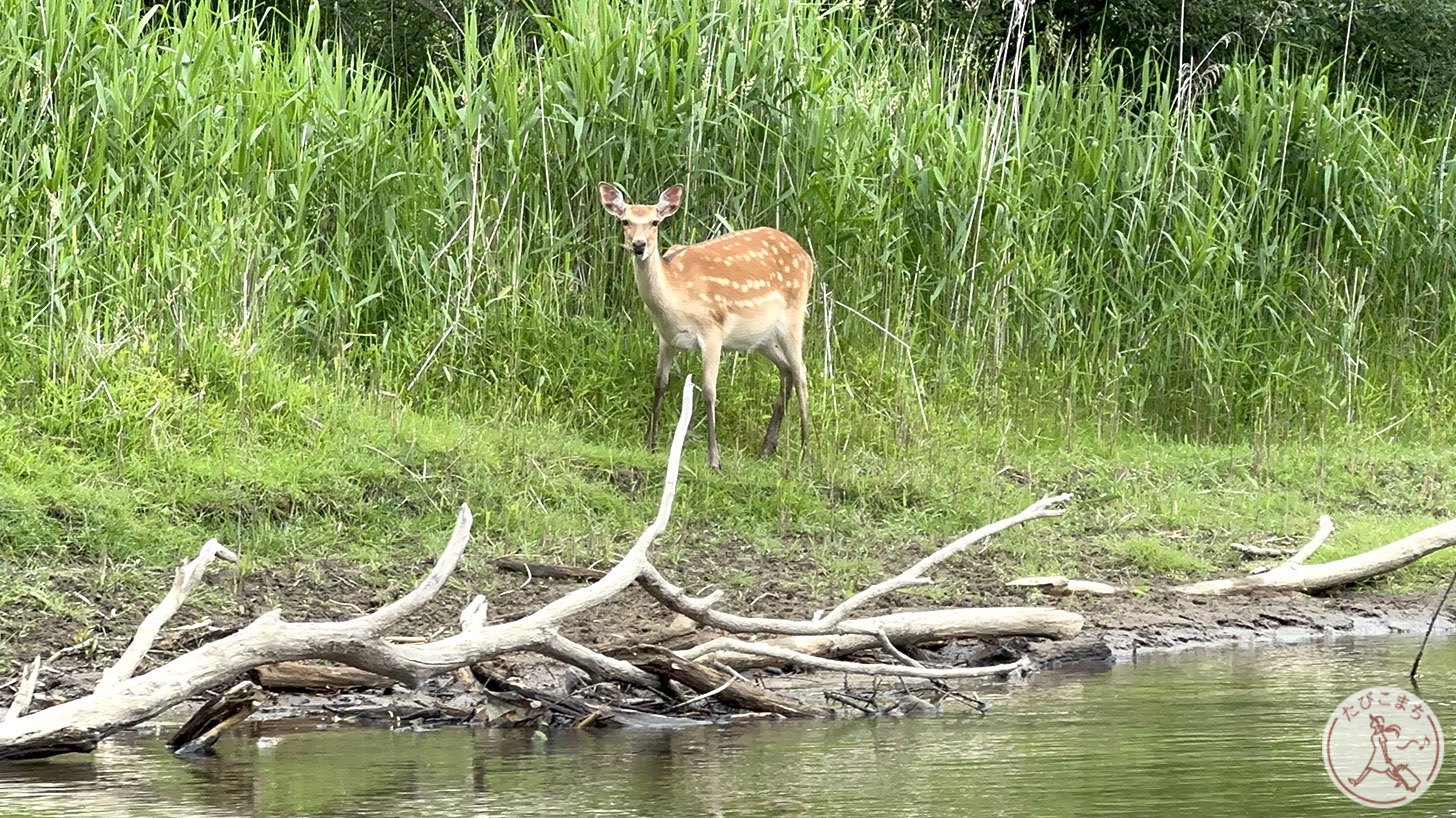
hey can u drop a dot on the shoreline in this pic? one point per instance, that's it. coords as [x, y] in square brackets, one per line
[1110, 637]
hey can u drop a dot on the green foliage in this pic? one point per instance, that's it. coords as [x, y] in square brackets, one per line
[402, 38]
[198, 216]
[1402, 46]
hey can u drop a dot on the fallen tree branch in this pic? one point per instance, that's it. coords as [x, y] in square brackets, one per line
[189, 575]
[904, 629]
[77, 726]
[24, 692]
[1259, 551]
[599, 666]
[888, 646]
[1294, 575]
[793, 657]
[538, 570]
[300, 676]
[701, 608]
[211, 720]
[1061, 586]
[474, 615]
[705, 680]
[1321, 535]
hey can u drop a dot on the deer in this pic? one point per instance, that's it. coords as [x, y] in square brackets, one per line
[746, 290]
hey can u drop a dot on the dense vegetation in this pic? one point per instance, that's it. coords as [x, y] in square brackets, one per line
[236, 248]
[191, 207]
[1400, 47]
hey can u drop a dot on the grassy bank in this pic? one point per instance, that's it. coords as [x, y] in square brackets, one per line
[353, 510]
[247, 292]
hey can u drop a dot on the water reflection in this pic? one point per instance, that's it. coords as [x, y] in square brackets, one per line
[1219, 733]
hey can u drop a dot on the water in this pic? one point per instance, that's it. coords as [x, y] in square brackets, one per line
[1229, 732]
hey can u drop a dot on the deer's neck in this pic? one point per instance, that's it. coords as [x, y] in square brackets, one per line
[652, 282]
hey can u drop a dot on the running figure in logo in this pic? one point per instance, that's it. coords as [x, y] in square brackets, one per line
[1381, 734]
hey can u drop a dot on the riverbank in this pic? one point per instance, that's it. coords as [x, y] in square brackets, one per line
[346, 518]
[1118, 629]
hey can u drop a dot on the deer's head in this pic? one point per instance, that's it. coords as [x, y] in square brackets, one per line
[639, 222]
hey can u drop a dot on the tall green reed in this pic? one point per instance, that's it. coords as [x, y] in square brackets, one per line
[192, 197]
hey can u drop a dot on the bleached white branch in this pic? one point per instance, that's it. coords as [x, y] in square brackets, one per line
[906, 628]
[1326, 528]
[1295, 576]
[24, 691]
[189, 576]
[701, 608]
[473, 617]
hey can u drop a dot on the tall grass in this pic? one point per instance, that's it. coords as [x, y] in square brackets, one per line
[195, 213]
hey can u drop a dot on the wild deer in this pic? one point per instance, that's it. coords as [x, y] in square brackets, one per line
[744, 290]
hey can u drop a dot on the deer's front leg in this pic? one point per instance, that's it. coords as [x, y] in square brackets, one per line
[665, 354]
[712, 349]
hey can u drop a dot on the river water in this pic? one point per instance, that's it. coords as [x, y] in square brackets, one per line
[1230, 732]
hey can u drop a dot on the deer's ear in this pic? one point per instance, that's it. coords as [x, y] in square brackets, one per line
[612, 199]
[669, 201]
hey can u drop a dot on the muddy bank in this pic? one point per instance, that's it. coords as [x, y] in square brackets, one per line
[1117, 629]
[91, 613]
[1169, 622]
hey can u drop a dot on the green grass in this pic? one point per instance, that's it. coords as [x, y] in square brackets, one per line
[375, 483]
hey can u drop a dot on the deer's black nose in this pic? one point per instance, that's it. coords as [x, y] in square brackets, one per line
[639, 247]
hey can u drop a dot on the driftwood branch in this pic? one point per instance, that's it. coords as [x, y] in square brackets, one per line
[709, 681]
[24, 692]
[301, 676]
[189, 576]
[1295, 575]
[78, 725]
[1259, 551]
[701, 608]
[207, 725]
[536, 570]
[904, 629]
[474, 616]
[1061, 586]
[1321, 535]
[888, 646]
[599, 666]
[794, 657]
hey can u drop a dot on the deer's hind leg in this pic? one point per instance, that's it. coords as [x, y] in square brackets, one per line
[800, 374]
[775, 352]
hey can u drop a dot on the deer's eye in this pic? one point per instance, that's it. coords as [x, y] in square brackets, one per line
[626, 223]
[654, 222]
